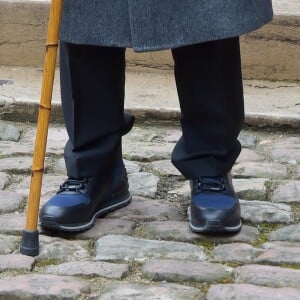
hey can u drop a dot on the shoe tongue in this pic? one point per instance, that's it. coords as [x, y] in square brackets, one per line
[211, 183]
[73, 184]
[212, 180]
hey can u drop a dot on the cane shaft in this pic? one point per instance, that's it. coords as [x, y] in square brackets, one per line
[43, 116]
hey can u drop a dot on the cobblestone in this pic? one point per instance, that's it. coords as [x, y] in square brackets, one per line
[298, 172]
[12, 224]
[177, 271]
[107, 226]
[172, 135]
[146, 292]
[10, 201]
[142, 209]
[59, 168]
[43, 287]
[164, 168]
[61, 250]
[9, 132]
[247, 139]
[180, 231]
[251, 292]
[268, 276]
[8, 243]
[147, 152]
[265, 212]
[4, 178]
[127, 252]
[16, 262]
[132, 167]
[13, 148]
[251, 189]
[117, 247]
[288, 191]
[16, 164]
[89, 268]
[280, 253]
[143, 184]
[237, 253]
[183, 191]
[285, 149]
[247, 155]
[260, 170]
[288, 233]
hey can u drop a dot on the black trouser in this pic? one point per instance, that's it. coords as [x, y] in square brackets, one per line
[209, 84]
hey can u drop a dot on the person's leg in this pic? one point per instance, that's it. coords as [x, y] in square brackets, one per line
[209, 83]
[92, 90]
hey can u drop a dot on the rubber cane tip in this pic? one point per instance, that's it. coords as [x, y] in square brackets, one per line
[30, 243]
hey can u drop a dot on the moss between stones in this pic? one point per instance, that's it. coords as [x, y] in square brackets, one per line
[269, 227]
[233, 265]
[47, 262]
[204, 288]
[296, 211]
[227, 280]
[289, 266]
[265, 230]
[263, 238]
[134, 265]
[140, 231]
[270, 187]
[91, 246]
[135, 273]
[208, 246]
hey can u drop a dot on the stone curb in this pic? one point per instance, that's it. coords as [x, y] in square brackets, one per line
[27, 112]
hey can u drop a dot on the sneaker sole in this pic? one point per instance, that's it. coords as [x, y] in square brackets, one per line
[49, 223]
[214, 226]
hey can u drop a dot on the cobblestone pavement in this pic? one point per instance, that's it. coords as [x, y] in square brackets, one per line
[146, 250]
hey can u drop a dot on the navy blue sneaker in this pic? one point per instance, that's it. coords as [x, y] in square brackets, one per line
[78, 203]
[214, 206]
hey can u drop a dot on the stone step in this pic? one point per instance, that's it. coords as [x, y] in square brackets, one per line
[150, 94]
[272, 52]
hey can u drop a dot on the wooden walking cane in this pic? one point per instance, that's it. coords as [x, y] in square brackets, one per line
[30, 238]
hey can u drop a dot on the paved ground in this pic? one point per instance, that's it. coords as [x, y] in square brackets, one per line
[146, 250]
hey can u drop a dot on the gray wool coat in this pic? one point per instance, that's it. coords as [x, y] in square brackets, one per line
[146, 25]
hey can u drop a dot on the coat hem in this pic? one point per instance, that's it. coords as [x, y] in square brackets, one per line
[166, 46]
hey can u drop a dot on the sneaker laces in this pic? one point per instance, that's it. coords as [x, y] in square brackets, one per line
[214, 184]
[73, 185]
